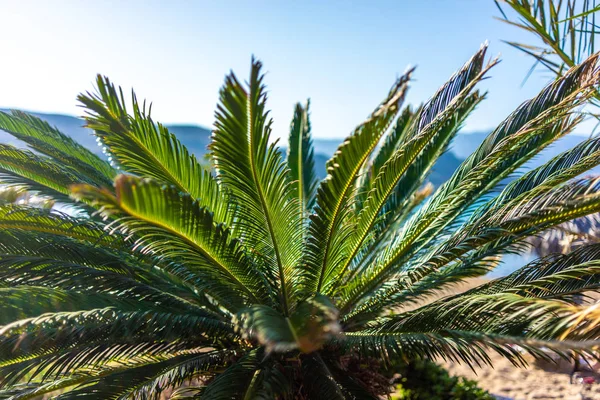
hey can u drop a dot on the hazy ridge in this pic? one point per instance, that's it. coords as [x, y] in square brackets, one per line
[196, 138]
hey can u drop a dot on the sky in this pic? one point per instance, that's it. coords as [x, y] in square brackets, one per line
[343, 55]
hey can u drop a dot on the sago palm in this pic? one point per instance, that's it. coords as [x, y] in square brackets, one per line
[254, 280]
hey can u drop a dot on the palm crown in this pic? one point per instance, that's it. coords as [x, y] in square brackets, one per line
[254, 280]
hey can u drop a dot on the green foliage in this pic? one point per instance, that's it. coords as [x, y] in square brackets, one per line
[563, 32]
[254, 280]
[425, 380]
[301, 157]
[566, 29]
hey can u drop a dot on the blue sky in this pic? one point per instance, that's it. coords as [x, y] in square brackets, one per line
[344, 55]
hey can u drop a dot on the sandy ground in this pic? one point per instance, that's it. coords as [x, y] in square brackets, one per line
[538, 382]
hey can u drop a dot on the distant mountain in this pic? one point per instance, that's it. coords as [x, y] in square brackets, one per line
[196, 138]
[443, 168]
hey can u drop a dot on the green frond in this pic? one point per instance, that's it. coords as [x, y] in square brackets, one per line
[149, 381]
[29, 254]
[319, 379]
[429, 141]
[542, 179]
[235, 381]
[53, 344]
[47, 140]
[537, 184]
[300, 158]
[17, 242]
[534, 125]
[37, 173]
[172, 225]
[404, 128]
[61, 263]
[20, 302]
[33, 219]
[253, 170]
[31, 390]
[406, 193]
[524, 218]
[146, 148]
[329, 226]
[565, 166]
[167, 277]
[503, 313]
[187, 392]
[350, 386]
[83, 362]
[549, 209]
[269, 383]
[565, 32]
[554, 276]
[470, 348]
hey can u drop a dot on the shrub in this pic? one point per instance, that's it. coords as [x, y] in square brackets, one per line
[425, 380]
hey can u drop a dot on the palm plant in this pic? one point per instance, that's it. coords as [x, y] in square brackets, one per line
[257, 281]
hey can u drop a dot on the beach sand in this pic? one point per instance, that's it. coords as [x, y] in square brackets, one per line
[540, 381]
